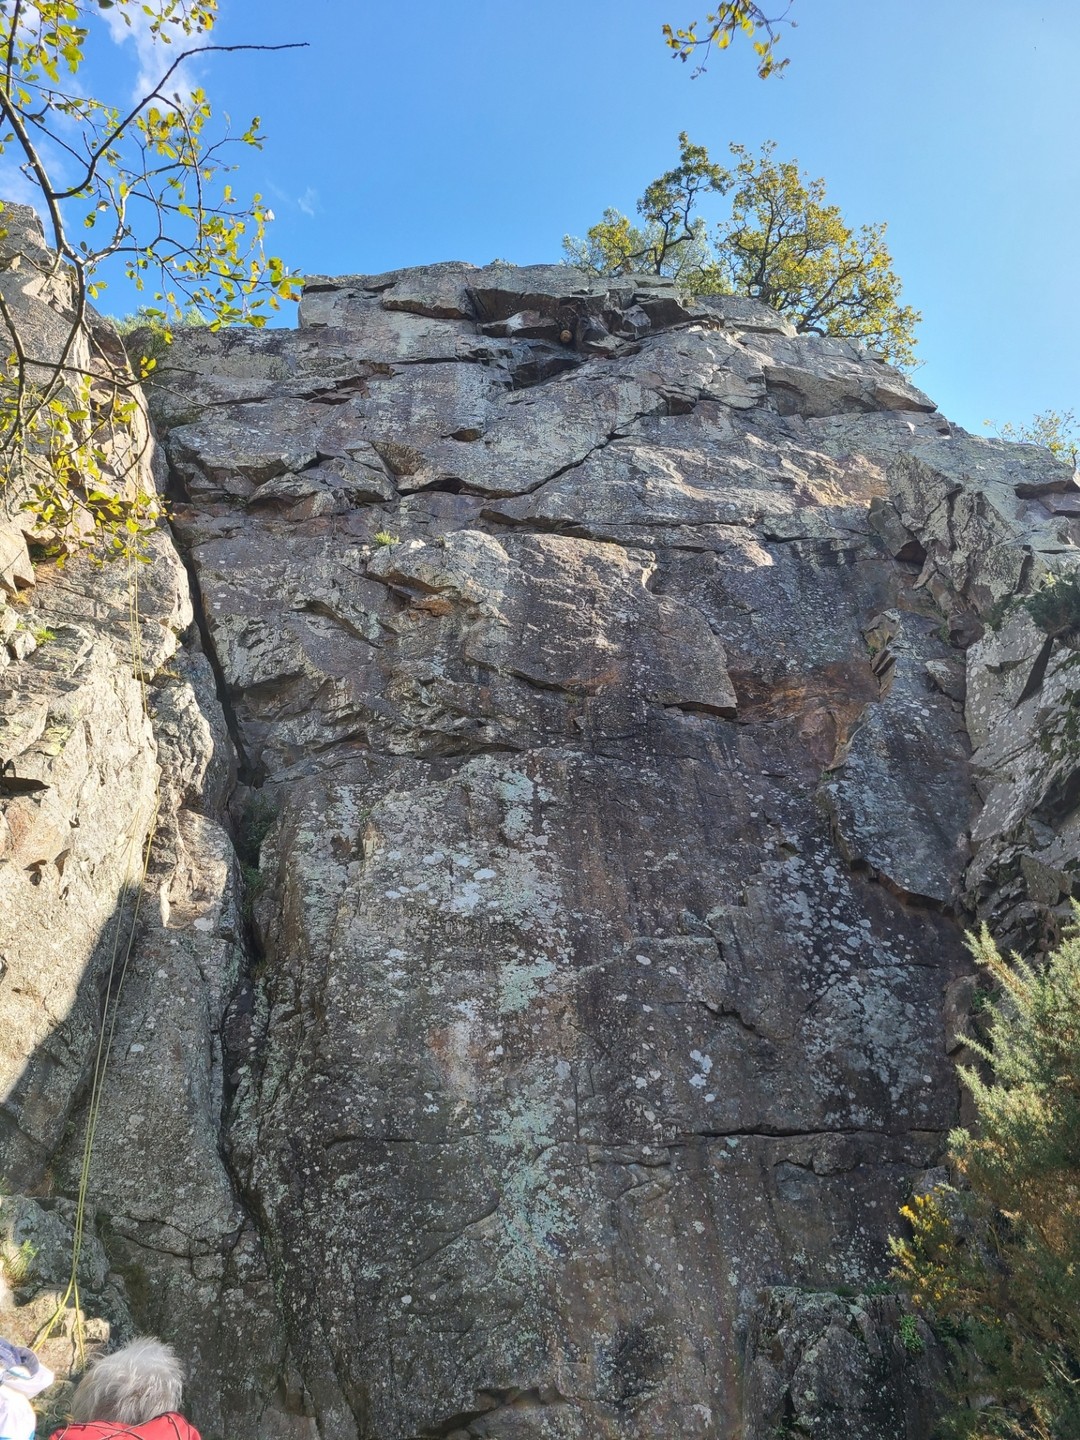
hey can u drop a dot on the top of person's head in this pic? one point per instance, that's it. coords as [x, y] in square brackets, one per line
[131, 1386]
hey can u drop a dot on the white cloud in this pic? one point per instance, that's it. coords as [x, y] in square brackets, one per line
[153, 57]
[29, 20]
[307, 201]
[16, 188]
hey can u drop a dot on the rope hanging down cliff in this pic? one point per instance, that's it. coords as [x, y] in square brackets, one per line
[106, 1034]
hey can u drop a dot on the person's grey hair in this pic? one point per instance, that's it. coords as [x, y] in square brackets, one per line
[131, 1386]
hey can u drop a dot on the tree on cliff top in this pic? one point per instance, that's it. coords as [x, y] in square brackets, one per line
[1055, 430]
[673, 240]
[781, 243]
[996, 1264]
[141, 184]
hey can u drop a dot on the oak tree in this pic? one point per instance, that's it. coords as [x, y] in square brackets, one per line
[671, 240]
[781, 242]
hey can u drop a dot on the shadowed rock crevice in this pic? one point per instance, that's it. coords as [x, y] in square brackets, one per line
[245, 773]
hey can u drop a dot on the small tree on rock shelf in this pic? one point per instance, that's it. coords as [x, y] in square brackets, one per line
[1055, 430]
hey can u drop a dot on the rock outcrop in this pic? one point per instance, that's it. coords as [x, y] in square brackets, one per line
[603, 715]
[120, 871]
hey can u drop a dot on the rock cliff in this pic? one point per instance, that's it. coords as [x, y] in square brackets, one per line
[577, 725]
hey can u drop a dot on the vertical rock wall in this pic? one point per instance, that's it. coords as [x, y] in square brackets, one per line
[622, 743]
[119, 870]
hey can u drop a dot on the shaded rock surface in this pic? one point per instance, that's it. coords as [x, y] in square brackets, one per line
[839, 1368]
[594, 739]
[118, 884]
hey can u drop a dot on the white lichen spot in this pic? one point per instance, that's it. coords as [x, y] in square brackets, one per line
[704, 1064]
[465, 898]
[519, 984]
[517, 793]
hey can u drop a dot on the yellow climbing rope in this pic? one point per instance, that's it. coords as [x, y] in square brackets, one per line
[107, 1032]
[106, 1035]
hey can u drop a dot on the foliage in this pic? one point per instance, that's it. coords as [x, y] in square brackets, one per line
[781, 243]
[1057, 431]
[254, 885]
[910, 1339]
[784, 245]
[995, 1263]
[145, 319]
[730, 19]
[383, 537]
[671, 241]
[16, 1260]
[141, 186]
[1055, 605]
[256, 821]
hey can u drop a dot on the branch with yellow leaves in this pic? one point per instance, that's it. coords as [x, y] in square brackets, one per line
[151, 176]
[730, 20]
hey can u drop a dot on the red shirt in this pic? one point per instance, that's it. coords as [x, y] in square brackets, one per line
[163, 1427]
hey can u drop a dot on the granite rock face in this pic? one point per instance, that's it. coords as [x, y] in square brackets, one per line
[621, 714]
[840, 1368]
[119, 882]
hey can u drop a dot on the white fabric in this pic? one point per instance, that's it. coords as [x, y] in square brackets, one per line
[20, 1379]
[17, 1418]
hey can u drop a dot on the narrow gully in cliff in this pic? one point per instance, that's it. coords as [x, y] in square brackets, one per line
[238, 1011]
[247, 773]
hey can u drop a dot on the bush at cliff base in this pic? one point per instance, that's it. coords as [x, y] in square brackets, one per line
[994, 1263]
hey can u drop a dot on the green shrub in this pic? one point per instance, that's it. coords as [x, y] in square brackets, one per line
[910, 1338]
[15, 1261]
[256, 821]
[254, 885]
[994, 1263]
[1055, 605]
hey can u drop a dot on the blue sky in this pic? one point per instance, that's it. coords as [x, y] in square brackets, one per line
[477, 129]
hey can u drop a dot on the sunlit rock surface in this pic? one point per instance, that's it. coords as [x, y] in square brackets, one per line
[618, 708]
